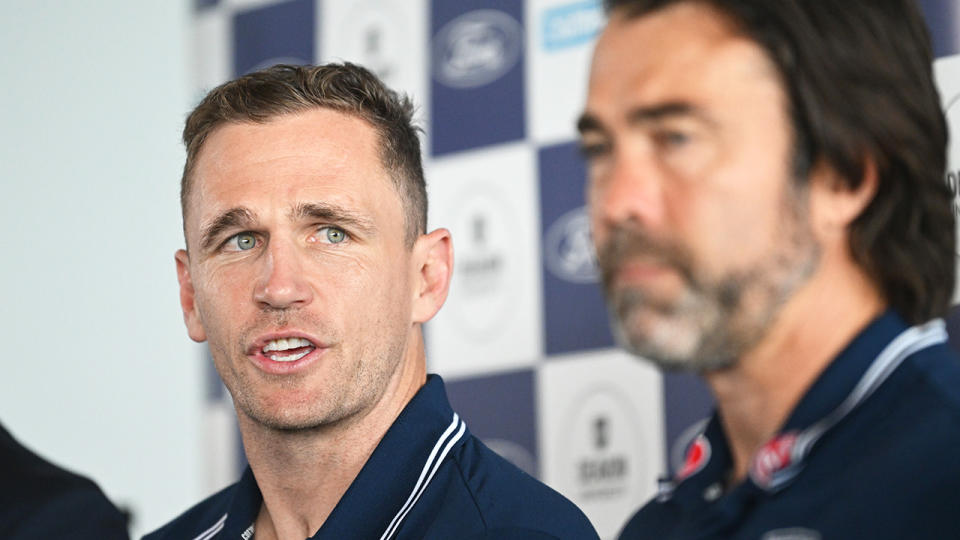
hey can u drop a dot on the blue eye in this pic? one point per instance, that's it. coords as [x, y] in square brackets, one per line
[241, 242]
[672, 138]
[333, 235]
[590, 151]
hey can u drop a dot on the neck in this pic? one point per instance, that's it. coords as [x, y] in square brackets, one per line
[303, 474]
[755, 397]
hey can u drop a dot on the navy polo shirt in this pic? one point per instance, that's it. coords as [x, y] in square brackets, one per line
[427, 478]
[871, 451]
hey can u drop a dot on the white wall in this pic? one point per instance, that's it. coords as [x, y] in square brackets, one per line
[97, 372]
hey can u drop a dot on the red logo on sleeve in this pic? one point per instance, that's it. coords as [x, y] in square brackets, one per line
[698, 454]
[773, 457]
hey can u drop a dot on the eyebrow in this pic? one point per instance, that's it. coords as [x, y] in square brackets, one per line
[239, 217]
[335, 214]
[642, 115]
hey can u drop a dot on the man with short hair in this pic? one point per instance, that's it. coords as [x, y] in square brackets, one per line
[309, 272]
[767, 200]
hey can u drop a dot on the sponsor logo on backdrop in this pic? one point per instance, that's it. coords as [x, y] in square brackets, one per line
[568, 248]
[953, 157]
[602, 448]
[374, 36]
[571, 24]
[476, 48]
[481, 290]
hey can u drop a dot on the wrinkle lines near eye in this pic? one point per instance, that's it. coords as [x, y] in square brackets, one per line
[238, 217]
[334, 215]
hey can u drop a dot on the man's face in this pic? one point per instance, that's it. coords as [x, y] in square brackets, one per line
[701, 232]
[297, 273]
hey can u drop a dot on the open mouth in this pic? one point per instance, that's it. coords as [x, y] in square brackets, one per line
[287, 349]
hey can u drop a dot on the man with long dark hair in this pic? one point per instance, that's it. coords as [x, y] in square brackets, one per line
[767, 200]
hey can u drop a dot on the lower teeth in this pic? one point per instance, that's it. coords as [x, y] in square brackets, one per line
[291, 358]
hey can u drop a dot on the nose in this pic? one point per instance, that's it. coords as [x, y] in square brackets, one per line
[281, 283]
[627, 190]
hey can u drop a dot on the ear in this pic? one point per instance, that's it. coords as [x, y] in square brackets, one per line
[188, 298]
[433, 260]
[833, 204]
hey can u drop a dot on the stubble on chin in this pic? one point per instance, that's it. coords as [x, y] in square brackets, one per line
[713, 322]
[677, 337]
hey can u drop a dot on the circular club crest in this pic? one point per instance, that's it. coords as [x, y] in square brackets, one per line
[374, 35]
[476, 48]
[602, 455]
[482, 289]
[568, 248]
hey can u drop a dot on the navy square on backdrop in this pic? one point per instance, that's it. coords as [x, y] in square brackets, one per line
[953, 327]
[575, 315]
[941, 18]
[477, 67]
[274, 34]
[499, 409]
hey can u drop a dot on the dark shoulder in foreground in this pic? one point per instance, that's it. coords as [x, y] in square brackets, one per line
[42, 500]
[513, 504]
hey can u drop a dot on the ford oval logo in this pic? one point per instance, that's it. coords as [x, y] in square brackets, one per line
[476, 48]
[568, 248]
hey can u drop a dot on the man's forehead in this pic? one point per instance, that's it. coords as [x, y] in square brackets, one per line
[683, 53]
[285, 155]
[333, 137]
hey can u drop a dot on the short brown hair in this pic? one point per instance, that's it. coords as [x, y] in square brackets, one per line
[264, 95]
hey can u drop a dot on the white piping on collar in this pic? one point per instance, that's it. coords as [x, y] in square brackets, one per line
[426, 474]
[213, 530]
[890, 358]
[903, 346]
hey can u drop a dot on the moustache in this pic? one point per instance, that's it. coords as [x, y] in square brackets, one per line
[626, 243]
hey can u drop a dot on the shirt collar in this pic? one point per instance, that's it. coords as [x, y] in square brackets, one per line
[849, 379]
[401, 466]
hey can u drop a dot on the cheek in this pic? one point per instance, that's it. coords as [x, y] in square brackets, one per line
[733, 228]
[220, 293]
[347, 287]
[389, 281]
[332, 272]
[598, 231]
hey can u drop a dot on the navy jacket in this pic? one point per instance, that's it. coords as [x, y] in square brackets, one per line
[871, 451]
[428, 478]
[41, 501]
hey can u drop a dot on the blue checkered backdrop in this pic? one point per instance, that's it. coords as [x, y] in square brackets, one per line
[523, 340]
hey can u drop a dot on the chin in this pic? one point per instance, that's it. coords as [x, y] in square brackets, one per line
[671, 344]
[282, 413]
[288, 420]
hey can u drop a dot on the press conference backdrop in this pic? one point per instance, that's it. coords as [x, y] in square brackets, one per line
[523, 340]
